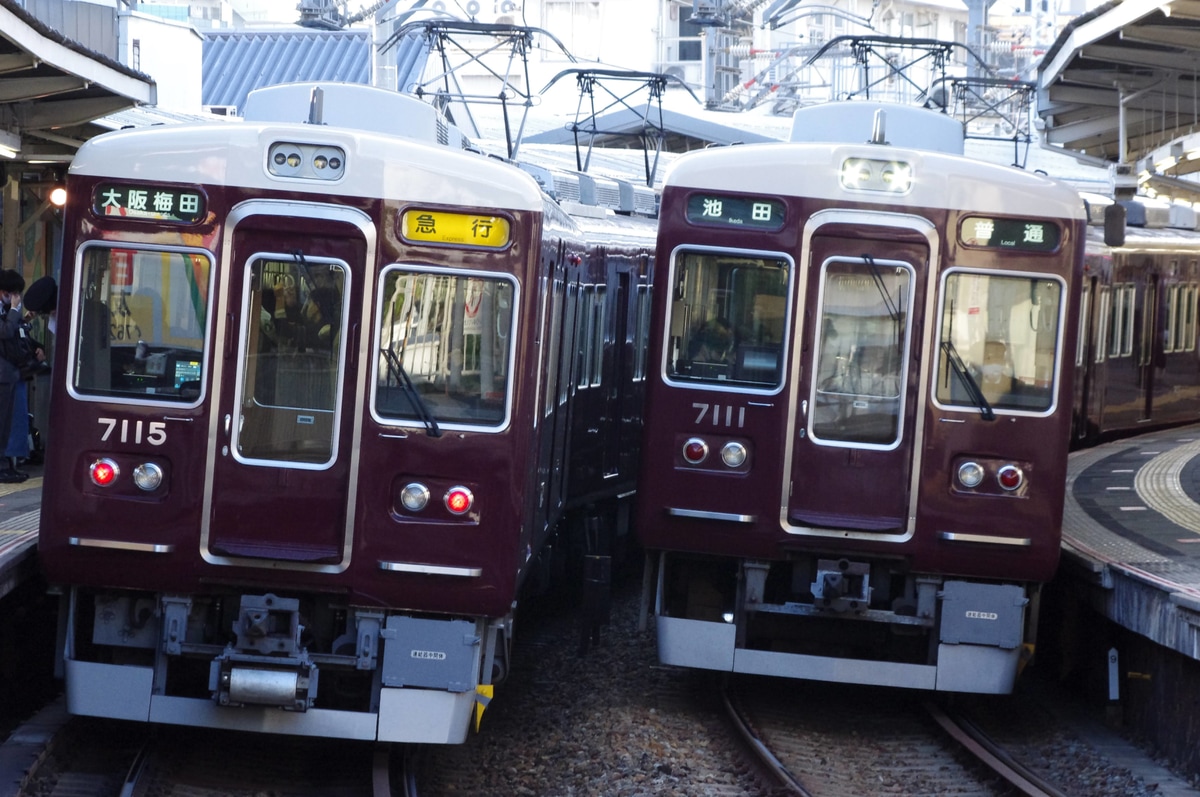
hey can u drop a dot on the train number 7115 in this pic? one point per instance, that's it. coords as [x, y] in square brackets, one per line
[152, 432]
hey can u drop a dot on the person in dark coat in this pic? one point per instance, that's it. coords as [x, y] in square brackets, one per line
[42, 299]
[11, 329]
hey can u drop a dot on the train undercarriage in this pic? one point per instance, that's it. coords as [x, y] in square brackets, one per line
[305, 666]
[844, 621]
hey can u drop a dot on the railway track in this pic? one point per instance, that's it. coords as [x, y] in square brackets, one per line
[836, 742]
[105, 758]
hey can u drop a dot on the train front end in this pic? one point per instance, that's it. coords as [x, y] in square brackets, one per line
[856, 439]
[288, 464]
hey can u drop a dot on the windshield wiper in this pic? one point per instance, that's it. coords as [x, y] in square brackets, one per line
[968, 382]
[424, 415]
[887, 299]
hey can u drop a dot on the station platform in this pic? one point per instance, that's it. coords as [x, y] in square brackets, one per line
[20, 507]
[1131, 527]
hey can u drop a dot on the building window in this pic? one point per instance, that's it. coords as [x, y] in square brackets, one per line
[577, 24]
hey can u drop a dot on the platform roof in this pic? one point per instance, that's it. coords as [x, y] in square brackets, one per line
[51, 87]
[1122, 84]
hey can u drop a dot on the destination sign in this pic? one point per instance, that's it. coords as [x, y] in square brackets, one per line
[154, 202]
[1024, 234]
[459, 229]
[735, 211]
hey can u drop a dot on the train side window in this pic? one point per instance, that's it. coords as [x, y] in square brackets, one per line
[1085, 306]
[1171, 336]
[584, 336]
[642, 338]
[554, 335]
[444, 348]
[1189, 316]
[571, 308]
[1005, 330]
[727, 320]
[862, 345]
[1121, 342]
[1104, 327]
[601, 334]
[141, 324]
[1181, 335]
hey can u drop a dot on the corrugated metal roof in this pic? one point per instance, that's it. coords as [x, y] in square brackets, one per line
[237, 62]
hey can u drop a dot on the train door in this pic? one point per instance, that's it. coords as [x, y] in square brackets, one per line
[853, 442]
[280, 486]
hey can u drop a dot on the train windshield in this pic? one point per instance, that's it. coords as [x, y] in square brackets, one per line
[445, 348]
[1006, 331]
[140, 324]
[728, 316]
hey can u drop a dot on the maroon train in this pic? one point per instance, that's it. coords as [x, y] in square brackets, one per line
[323, 382]
[858, 419]
[1137, 363]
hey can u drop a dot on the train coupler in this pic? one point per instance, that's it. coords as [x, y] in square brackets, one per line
[240, 680]
[842, 585]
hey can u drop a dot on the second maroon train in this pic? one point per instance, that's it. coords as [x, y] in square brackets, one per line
[871, 362]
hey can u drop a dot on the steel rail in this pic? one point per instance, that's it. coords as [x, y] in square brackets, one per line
[966, 733]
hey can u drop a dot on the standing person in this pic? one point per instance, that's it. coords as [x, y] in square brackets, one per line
[29, 429]
[11, 331]
[42, 300]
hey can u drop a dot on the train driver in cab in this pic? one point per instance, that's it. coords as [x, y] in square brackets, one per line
[713, 342]
[996, 373]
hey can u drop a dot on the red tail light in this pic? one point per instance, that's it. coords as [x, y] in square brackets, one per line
[695, 451]
[104, 472]
[459, 500]
[1010, 477]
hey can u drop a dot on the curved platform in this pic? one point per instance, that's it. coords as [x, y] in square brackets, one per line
[1131, 525]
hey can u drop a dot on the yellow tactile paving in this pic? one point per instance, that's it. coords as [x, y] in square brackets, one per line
[1158, 484]
[28, 484]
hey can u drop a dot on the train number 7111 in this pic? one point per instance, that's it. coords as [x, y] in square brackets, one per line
[702, 409]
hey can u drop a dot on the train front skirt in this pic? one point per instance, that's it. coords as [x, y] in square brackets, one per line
[424, 674]
[978, 648]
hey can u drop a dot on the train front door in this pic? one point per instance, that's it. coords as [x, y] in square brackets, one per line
[280, 459]
[852, 441]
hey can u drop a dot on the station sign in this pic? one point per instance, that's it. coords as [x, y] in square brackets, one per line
[455, 229]
[757, 213]
[151, 202]
[1029, 235]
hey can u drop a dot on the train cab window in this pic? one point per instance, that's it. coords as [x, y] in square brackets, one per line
[727, 320]
[291, 360]
[999, 339]
[862, 352]
[140, 324]
[445, 348]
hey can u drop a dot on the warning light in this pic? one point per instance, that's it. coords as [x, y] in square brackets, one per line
[695, 450]
[1010, 477]
[459, 500]
[104, 472]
